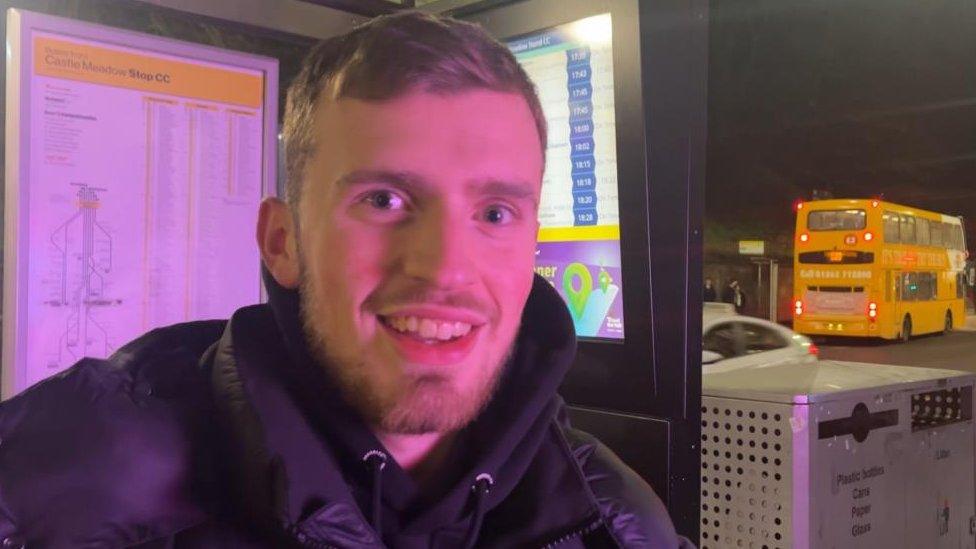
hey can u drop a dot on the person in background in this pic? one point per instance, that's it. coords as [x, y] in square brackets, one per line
[708, 293]
[399, 387]
[733, 294]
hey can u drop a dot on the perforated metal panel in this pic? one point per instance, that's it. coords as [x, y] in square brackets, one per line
[838, 456]
[746, 475]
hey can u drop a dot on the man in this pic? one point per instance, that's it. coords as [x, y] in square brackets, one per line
[733, 294]
[708, 293]
[399, 388]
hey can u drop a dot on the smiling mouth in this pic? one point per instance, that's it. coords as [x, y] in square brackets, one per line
[428, 330]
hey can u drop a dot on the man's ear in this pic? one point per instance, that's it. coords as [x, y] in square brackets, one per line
[277, 239]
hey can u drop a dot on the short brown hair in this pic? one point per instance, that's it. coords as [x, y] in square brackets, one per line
[388, 57]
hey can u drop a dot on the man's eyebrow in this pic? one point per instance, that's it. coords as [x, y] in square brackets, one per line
[409, 181]
[401, 180]
[515, 190]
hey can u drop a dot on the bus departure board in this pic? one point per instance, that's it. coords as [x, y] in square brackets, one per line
[579, 237]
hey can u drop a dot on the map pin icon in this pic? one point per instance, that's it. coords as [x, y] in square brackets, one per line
[605, 280]
[577, 298]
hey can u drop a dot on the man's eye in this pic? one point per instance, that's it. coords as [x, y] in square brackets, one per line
[498, 215]
[385, 200]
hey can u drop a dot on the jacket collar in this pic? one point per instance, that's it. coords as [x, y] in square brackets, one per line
[286, 474]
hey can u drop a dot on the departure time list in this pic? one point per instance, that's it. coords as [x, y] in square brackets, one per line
[579, 238]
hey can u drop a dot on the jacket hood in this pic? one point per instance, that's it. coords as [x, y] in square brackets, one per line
[321, 456]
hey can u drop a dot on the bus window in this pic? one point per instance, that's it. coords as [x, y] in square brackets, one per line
[907, 229]
[935, 228]
[922, 231]
[927, 289]
[909, 287]
[837, 220]
[957, 238]
[951, 236]
[891, 228]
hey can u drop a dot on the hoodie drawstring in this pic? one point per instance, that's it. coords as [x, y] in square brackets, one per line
[376, 461]
[482, 485]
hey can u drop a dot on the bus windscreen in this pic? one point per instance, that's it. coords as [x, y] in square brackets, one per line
[837, 220]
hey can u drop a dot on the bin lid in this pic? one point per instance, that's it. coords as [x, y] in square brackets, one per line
[822, 381]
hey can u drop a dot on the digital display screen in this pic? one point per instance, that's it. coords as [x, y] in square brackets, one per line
[579, 237]
[144, 175]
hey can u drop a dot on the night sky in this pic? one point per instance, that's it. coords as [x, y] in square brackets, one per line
[860, 98]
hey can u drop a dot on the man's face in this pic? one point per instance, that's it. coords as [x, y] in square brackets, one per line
[418, 224]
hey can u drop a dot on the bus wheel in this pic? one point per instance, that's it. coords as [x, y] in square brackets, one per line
[906, 329]
[948, 323]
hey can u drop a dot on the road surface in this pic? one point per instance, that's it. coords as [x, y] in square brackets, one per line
[956, 351]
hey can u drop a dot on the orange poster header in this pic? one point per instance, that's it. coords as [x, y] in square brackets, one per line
[99, 65]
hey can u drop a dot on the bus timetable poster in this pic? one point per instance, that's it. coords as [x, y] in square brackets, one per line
[144, 169]
[579, 236]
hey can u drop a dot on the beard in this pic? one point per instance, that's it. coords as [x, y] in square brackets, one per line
[390, 397]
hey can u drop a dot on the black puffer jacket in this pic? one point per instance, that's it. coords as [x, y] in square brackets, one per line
[224, 434]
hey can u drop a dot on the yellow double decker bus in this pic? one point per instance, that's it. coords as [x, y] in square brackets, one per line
[871, 268]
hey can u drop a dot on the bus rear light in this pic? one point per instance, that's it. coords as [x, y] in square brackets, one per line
[872, 311]
[868, 236]
[874, 203]
[804, 237]
[797, 205]
[798, 307]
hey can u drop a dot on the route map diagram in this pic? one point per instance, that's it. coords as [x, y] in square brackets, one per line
[82, 253]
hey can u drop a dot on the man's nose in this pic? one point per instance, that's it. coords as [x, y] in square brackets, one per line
[439, 251]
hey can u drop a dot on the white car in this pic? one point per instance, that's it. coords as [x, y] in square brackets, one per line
[731, 341]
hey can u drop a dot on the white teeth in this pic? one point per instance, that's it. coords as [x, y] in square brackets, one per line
[428, 328]
[461, 328]
[445, 331]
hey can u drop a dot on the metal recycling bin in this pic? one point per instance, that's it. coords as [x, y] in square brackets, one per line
[838, 455]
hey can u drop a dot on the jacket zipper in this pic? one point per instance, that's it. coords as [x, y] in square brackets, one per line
[305, 541]
[578, 533]
[564, 539]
